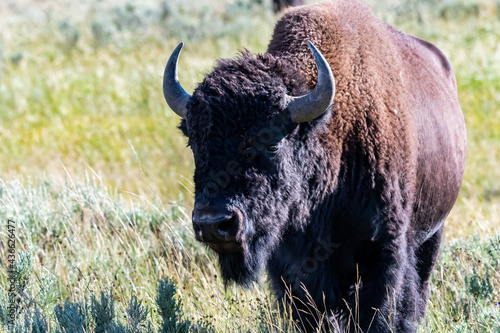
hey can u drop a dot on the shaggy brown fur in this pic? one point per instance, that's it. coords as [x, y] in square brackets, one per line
[372, 98]
[386, 84]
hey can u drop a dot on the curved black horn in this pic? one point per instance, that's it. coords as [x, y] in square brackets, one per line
[176, 97]
[314, 104]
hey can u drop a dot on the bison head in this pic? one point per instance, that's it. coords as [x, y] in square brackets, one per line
[256, 150]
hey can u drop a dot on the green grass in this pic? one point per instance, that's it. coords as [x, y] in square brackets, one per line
[98, 178]
[77, 239]
[96, 104]
[83, 239]
[89, 106]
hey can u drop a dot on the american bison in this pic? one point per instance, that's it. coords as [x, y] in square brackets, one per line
[332, 160]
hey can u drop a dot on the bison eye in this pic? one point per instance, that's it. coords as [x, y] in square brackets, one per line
[272, 148]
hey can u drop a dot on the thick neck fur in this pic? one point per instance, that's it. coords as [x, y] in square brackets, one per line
[368, 72]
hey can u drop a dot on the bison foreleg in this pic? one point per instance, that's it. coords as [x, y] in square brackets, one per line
[385, 296]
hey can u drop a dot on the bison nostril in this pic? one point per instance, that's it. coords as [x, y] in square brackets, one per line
[215, 225]
[227, 225]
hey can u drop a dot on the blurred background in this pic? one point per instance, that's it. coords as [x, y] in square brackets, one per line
[80, 85]
[92, 165]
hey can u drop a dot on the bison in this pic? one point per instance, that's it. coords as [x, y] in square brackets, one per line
[332, 160]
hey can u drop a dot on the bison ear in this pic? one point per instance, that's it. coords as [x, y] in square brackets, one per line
[309, 107]
[183, 127]
[176, 97]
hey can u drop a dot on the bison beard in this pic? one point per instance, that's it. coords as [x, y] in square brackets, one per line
[333, 167]
[244, 267]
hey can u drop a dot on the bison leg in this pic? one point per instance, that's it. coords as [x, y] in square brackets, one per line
[387, 299]
[409, 299]
[311, 320]
[427, 255]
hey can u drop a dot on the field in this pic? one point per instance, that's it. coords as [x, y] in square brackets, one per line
[97, 177]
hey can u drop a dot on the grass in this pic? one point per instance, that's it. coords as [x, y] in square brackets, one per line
[78, 239]
[82, 239]
[98, 178]
[84, 104]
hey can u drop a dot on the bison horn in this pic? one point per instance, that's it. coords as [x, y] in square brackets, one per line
[176, 97]
[314, 104]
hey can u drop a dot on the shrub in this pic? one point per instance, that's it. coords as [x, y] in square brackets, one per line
[98, 315]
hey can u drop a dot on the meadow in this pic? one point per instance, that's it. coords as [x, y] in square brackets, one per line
[97, 177]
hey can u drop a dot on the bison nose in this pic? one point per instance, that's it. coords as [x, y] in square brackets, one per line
[215, 226]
